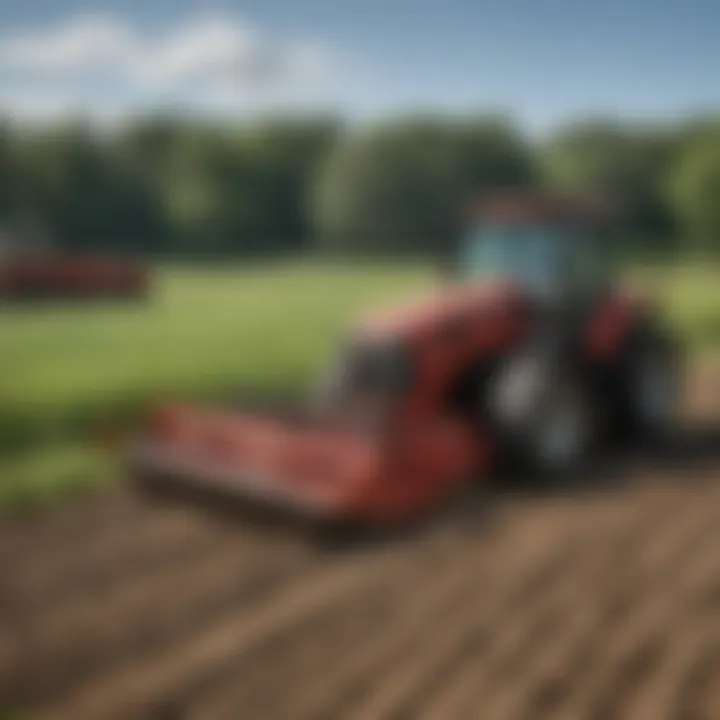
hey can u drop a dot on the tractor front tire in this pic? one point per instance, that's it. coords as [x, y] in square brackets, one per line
[541, 414]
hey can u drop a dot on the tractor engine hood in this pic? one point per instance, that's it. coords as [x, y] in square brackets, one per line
[423, 317]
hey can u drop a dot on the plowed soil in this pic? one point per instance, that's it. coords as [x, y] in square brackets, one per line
[600, 600]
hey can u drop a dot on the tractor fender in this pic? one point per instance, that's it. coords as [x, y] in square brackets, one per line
[614, 324]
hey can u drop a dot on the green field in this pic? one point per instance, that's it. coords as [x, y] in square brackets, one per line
[203, 333]
[66, 372]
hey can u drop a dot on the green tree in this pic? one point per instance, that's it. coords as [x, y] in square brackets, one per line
[401, 186]
[9, 167]
[694, 189]
[625, 163]
[492, 153]
[71, 182]
[243, 189]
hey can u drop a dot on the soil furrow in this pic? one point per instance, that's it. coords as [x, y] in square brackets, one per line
[57, 650]
[141, 686]
[366, 674]
[623, 653]
[476, 672]
[600, 601]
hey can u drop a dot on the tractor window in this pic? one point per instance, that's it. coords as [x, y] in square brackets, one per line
[537, 258]
[528, 254]
[588, 264]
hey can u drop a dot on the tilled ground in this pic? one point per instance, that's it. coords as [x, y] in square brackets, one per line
[602, 602]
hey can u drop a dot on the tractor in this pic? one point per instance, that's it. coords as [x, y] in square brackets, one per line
[532, 353]
[32, 269]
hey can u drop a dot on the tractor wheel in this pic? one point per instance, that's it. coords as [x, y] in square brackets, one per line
[542, 415]
[648, 388]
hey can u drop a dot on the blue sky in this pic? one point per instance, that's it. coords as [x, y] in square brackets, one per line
[543, 61]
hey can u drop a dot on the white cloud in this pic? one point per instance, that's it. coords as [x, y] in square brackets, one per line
[203, 60]
[82, 44]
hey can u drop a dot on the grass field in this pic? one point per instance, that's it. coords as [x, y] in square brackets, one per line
[204, 332]
[68, 371]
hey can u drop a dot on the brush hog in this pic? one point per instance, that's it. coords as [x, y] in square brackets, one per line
[302, 467]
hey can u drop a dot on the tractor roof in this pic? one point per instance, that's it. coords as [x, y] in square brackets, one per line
[516, 207]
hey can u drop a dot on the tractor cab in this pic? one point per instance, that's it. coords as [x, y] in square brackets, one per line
[553, 249]
[547, 260]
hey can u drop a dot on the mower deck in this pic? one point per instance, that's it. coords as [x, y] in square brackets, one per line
[171, 470]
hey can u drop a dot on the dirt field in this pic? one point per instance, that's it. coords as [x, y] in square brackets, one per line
[598, 603]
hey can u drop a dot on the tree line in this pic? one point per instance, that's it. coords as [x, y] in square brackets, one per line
[172, 187]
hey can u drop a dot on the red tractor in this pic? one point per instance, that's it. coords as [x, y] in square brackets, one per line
[532, 354]
[30, 269]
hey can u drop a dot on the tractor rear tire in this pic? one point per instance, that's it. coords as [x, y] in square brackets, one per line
[646, 396]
